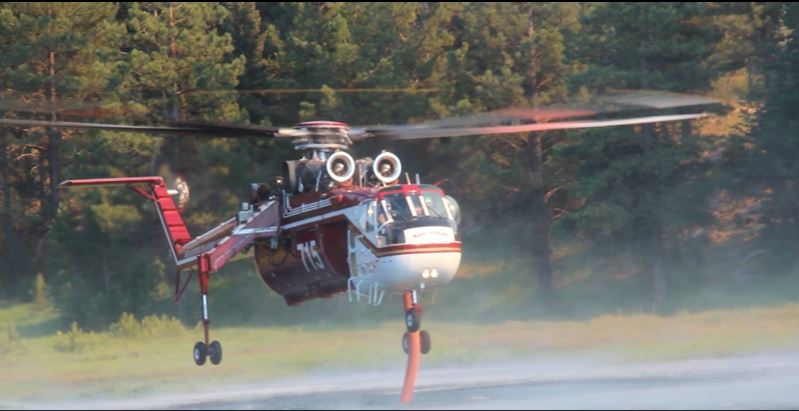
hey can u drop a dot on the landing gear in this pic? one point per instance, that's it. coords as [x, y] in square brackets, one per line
[424, 342]
[215, 352]
[412, 342]
[424, 336]
[202, 350]
[413, 320]
[200, 353]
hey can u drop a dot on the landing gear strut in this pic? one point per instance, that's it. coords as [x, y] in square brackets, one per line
[202, 349]
[414, 342]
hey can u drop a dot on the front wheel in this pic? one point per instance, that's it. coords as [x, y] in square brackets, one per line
[200, 353]
[412, 320]
[406, 342]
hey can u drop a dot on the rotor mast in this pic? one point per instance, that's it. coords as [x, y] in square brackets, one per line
[319, 139]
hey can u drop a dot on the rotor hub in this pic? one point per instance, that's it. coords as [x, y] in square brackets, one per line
[322, 136]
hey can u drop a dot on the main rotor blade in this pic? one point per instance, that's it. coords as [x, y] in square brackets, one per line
[356, 90]
[211, 130]
[422, 132]
[656, 99]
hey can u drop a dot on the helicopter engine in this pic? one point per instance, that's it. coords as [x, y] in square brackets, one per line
[387, 167]
[315, 174]
[340, 166]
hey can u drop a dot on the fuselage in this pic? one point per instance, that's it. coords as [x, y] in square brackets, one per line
[367, 240]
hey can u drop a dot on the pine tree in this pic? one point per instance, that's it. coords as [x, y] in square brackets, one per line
[632, 180]
[773, 165]
[58, 51]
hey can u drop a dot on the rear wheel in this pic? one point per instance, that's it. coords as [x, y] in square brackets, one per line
[216, 352]
[406, 342]
[200, 353]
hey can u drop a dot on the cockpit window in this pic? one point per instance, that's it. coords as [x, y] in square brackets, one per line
[434, 204]
[381, 216]
[400, 211]
[398, 207]
[401, 206]
[454, 208]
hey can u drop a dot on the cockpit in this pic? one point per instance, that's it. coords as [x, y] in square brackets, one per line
[411, 214]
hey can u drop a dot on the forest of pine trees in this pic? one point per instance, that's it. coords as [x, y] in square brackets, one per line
[658, 212]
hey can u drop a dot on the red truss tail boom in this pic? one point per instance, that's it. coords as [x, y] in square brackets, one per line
[217, 246]
[174, 227]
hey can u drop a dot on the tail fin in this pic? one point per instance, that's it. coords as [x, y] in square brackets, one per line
[172, 222]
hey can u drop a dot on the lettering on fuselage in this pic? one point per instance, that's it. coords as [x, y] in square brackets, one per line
[429, 235]
[310, 257]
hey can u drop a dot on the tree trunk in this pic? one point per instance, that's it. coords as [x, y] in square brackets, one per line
[652, 233]
[657, 269]
[8, 244]
[685, 132]
[540, 247]
[540, 213]
[54, 142]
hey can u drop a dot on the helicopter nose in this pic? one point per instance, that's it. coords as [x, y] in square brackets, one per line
[419, 269]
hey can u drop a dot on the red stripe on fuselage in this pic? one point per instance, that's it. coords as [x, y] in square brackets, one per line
[419, 249]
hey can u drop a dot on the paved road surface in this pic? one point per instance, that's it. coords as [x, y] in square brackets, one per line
[752, 382]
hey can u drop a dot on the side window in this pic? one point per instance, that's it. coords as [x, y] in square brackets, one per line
[453, 208]
[381, 215]
[370, 216]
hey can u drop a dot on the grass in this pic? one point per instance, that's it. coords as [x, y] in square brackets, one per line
[31, 316]
[109, 365]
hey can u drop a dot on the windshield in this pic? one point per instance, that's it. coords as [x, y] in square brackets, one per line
[434, 204]
[425, 204]
[411, 210]
[399, 207]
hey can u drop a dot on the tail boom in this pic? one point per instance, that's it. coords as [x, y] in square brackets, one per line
[172, 222]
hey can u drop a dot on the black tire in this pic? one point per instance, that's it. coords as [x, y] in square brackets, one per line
[424, 336]
[200, 353]
[215, 352]
[406, 342]
[412, 320]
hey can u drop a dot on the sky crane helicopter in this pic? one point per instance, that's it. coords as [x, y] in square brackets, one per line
[334, 224]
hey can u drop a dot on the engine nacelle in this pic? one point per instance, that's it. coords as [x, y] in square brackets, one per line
[340, 166]
[313, 174]
[387, 167]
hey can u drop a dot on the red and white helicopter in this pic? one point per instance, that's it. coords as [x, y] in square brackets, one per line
[335, 224]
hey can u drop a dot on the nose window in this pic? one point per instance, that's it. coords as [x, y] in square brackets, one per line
[453, 208]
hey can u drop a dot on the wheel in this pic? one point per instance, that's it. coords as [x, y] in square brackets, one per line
[424, 336]
[412, 320]
[215, 352]
[406, 342]
[199, 353]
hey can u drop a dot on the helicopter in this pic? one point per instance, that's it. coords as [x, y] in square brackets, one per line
[332, 224]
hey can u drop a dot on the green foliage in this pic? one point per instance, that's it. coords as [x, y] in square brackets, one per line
[634, 201]
[151, 326]
[73, 341]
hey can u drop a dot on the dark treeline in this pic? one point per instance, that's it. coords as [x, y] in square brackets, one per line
[667, 208]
